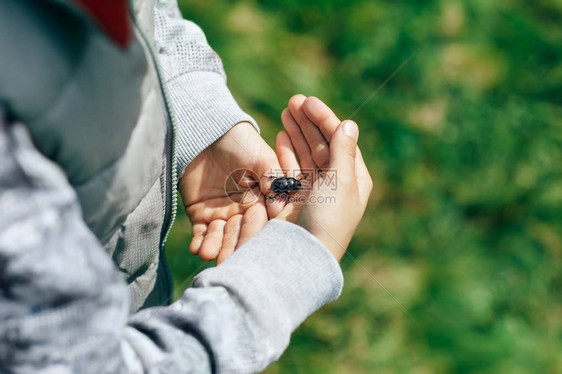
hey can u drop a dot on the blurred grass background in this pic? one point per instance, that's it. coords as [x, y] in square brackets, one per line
[464, 144]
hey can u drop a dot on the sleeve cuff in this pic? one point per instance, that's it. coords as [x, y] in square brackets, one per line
[283, 274]
[204, 110]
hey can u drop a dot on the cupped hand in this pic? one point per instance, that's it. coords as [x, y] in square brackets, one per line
[224, 189]
[330, 209]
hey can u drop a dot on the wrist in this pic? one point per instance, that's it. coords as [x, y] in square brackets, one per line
[335, 245]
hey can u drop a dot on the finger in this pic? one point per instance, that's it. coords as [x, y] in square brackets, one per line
[231, 235]
[316, 141]
[297, 138]
[254, 220]
[198, 231]
[265, 167]
[322, 116]
[217, 208]
[213, 240]
[364, 180]
[286, 154]
[344, 149]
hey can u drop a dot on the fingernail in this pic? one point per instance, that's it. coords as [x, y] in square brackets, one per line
[350, 129]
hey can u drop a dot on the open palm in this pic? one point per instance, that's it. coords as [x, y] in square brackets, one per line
[222, 192]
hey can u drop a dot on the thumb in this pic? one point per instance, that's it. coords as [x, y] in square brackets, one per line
[343, 146]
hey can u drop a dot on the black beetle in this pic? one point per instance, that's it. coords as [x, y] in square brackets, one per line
[283, 186]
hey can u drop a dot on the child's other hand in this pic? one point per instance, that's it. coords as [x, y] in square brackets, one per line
[323, 143]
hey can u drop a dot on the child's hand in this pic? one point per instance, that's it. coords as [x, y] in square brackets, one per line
[222, 222]
[322, 143]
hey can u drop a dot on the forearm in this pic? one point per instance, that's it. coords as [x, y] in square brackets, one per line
[200, 101]
[244, 310]
[63, 305]
[205, 110]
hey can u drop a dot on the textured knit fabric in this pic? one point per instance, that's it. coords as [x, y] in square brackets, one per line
[64, 309]
[99, 112]
[65, 306]
[196, 82]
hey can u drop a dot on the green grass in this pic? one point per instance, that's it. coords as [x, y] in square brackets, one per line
[464, 143]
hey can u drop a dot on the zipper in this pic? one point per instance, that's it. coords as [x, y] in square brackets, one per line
[171, 180]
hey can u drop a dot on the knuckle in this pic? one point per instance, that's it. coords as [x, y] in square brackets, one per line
[349, 148]
[321, 154]
[307, 159]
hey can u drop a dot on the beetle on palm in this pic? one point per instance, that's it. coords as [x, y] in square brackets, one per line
[284, 186]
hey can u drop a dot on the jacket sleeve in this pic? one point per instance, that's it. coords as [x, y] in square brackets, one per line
[200, 102]
[64, 306]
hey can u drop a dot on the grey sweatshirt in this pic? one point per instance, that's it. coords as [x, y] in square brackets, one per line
[64, 306]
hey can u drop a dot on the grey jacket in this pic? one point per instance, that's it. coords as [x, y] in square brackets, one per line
[92, 140]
